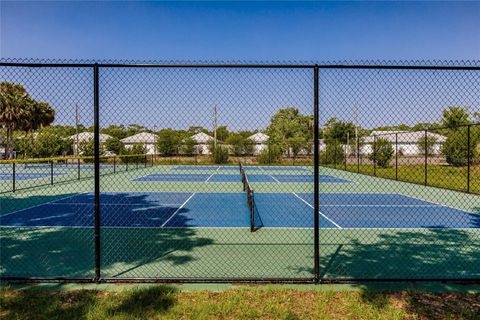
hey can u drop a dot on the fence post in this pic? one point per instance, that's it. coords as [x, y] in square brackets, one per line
[14, 174]
[114, 164]
[374, 155]
[335, 155]
[426, 157]
[51, 172]
[78, 168]
[396, 155]
[126, 163]
[469, 155]
[146, 160]
[345, 156]
[96, 133]
[316, 187]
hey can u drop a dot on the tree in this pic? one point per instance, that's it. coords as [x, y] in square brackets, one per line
[334, 153]
[136, 153]
[429, 144]
[188, 147]
[168, 142]
[87, 149]
[116, 131]
[235, 141]
[288, 123]
[115, 145]
[454, 116]
[18, 111]
[222, 133]
[270, 155]
[455, 147]
[219, 154]
[338, 130]
[296, 145]
[382, 152]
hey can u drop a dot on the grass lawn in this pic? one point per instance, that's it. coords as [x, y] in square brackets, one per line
[443, 176]
[167, 302]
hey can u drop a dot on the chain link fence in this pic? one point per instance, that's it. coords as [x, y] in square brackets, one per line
[239, 172]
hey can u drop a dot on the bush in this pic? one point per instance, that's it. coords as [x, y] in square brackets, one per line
[382, 152]
[455, 147]
[188, 147]
[115, 145]
[271, 154]
[219, 155]
[430, 144]
[136, 149]
[334, 153]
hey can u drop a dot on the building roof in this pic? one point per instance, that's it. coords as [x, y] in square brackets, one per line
[403, 136]
[142, 137]
[259, 137]
[85, 136]
[202, 137]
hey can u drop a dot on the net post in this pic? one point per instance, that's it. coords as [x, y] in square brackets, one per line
[469, 155]
[426, 157]
[51, 172]
[316, 168]
[13, 176]
[96, 133]
[396, 155]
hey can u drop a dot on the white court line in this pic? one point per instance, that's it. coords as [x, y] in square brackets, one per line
[212, 174]
[41, 204]
[435, 203]
[380, 205]
[308, 204]
[178, 210]
[276, 180]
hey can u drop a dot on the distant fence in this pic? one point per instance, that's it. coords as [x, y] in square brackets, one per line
[424, 157]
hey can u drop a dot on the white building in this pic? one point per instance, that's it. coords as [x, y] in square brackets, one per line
[202, 141]
[145, 139]
[260, 141]
[86, 136]
[407, 141]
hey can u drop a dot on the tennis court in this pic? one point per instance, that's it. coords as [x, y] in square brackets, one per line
[196, 221]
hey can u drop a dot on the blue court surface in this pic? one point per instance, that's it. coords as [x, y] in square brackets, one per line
[229, 210]
[248, 168]
[27, 175]
[237, 178]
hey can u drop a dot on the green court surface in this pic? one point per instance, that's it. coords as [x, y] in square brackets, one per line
[216, 252]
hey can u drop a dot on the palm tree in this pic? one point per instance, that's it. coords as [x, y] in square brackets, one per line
[18, 111]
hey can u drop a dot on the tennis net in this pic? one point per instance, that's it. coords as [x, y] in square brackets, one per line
[255, 221]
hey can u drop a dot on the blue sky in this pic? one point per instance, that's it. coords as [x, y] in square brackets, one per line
[252, 31]
[240, 31]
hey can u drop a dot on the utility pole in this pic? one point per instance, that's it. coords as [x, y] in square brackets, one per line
[215, 127]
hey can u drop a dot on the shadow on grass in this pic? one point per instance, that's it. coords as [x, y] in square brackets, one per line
[138, 303]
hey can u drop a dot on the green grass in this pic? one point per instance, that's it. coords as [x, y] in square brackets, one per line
[166, 302]
[443, 176]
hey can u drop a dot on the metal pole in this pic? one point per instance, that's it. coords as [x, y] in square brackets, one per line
[14, 176]
[96, 133]
[51, 172]
[468, 158]
[114, 164]
[374, 155]
[335, 154]
[426, 157]
[78, 168]
[316, 168]
[396, 155]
